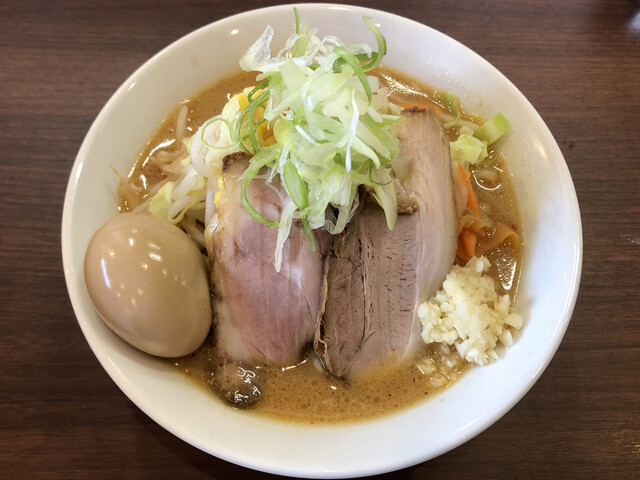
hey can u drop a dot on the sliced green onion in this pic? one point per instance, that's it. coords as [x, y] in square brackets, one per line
[297, 17]
[296, 187]
[376, 57]
[282, 131]
[300, 47]
[343, 215]
[234, 139]
[330, 136]
[452, 104]
[255, 89]
[385, 195]
[310, 235]
[352, 61]
[246, 117]
[374, 182]
[262, 159]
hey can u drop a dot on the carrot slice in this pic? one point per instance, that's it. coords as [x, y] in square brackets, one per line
[472, 201]
[461, 255]
[469, 239]
[470, 230]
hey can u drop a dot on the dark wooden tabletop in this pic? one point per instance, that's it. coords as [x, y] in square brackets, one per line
[61, 416]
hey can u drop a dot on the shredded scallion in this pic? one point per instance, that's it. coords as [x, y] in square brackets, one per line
[329, 134]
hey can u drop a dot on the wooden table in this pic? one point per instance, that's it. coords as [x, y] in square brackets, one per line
[61, 416]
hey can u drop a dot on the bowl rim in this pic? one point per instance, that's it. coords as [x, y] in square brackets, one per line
[133, 394]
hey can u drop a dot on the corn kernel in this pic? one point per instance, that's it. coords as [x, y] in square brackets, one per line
[243, 101]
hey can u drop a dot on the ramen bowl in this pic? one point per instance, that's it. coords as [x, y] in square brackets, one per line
[447, 419]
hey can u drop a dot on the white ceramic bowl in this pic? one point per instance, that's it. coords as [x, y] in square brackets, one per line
[548, 289]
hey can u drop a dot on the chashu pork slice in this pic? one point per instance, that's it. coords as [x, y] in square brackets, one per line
[260, 315]
[375, 278]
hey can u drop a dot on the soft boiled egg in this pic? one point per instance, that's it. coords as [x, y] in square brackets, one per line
[148, 282]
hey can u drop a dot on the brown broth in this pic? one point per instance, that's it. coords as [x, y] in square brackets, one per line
[497, 199]
[305, 392]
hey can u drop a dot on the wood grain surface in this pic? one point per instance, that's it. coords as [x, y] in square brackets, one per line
[61, 416]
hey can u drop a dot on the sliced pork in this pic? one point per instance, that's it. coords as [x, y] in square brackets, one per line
[260, 315]
[376, 278]
[424, 146]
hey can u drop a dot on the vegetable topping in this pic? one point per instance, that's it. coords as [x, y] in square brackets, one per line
[317, 123]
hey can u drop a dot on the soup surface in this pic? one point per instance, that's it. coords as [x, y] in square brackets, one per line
[305, 392]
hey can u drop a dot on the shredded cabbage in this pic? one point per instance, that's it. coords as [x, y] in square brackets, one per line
[469, 149]
[473, 148]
